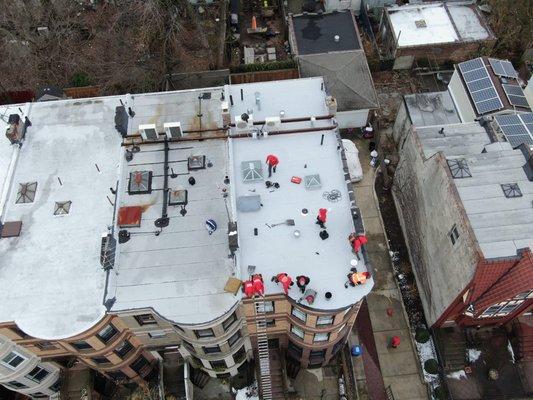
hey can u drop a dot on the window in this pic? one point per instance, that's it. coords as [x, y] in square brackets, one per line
[139, 364]
[123, 349]
[56, 386]
[107, 334]
[317, 353]
[506, 307]
[145, 319]
[188, 346]
[511, 190]
[227, 323]
[240, 355]
[100, 360]
[117, 376]
[81, 345]
[13, 360]
[266, 307]
[297, 331]
[39, 395]
[459, 168]
[26, 193]
[232, 340]
[454, 234]
[16, 385]
[299, 314]
[46, 346]
[218, 364]
[312, 365]
[157, 334]
[270, 323]
[324, 320]
[321, 337]
[295, 349]
[204, 333]
[38, 374]
[211, 349]
[62, 207]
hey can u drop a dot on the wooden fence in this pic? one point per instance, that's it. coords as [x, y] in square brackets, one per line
[264, 76]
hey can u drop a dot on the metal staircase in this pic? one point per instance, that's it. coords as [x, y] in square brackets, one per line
[265, 381]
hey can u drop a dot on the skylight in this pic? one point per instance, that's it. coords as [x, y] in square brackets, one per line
[140, 182]
[26, 193]
[511, 190]
[459, 168]
[62, 207]
[251, 171]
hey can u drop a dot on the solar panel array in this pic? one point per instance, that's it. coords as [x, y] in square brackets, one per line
[480, 86]
[517, 128]
[503, 68]
[515, 95]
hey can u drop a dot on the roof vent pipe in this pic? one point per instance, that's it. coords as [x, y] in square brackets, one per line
[337, 38]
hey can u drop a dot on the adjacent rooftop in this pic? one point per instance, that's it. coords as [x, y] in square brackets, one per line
[432, 23]
[493, 185]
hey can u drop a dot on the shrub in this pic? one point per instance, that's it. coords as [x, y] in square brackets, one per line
[422, 335]
[431, 366]
[80, 79]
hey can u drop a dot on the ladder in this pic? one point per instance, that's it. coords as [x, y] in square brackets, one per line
[265, 381]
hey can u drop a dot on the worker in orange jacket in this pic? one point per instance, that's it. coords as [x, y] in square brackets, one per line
[258, 286]
[285, 280]
[356, 278]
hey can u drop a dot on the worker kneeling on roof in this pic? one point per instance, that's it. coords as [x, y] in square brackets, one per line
[258, 286]
[285, 280]
[356, 278]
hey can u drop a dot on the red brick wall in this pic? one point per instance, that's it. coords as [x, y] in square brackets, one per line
[455, 52]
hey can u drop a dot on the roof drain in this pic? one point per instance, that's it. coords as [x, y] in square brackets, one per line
[164, 220]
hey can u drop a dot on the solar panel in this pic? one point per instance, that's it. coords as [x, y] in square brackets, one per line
[489, 105]
[484, 83]
[509, 69]
[497, 66]
[470, 65]
[517, 128]
[515, 95]
[503, 68]
[480, 86]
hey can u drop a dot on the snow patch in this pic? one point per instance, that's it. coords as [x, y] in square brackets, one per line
[457, 375]
[248, 393]
[473, 355]
[426, 351]
[511, 351]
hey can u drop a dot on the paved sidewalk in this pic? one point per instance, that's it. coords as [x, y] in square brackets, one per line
[400, 367]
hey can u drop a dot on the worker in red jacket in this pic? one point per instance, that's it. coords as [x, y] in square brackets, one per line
[272, 162]
[357, 241]
[248, 288]
[285, 280]
[302, 281]
[321, 218]
[258, 286]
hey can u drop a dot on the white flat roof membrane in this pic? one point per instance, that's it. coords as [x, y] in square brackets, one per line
[276, 249]
[53, 271]
[467, 23]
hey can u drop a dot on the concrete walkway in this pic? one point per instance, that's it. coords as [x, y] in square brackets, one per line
[400, 367]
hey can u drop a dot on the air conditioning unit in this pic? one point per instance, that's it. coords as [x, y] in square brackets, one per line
[173, 130]
[272, 123]
[242, 125]
[148, 132]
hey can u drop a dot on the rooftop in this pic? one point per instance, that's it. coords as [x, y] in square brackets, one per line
[315, 33]
[181, 273]
[277, 249]
[431, 23]
[346, 76]
[54, 266]
[492, 184]
[75, 157]
[427, 109]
